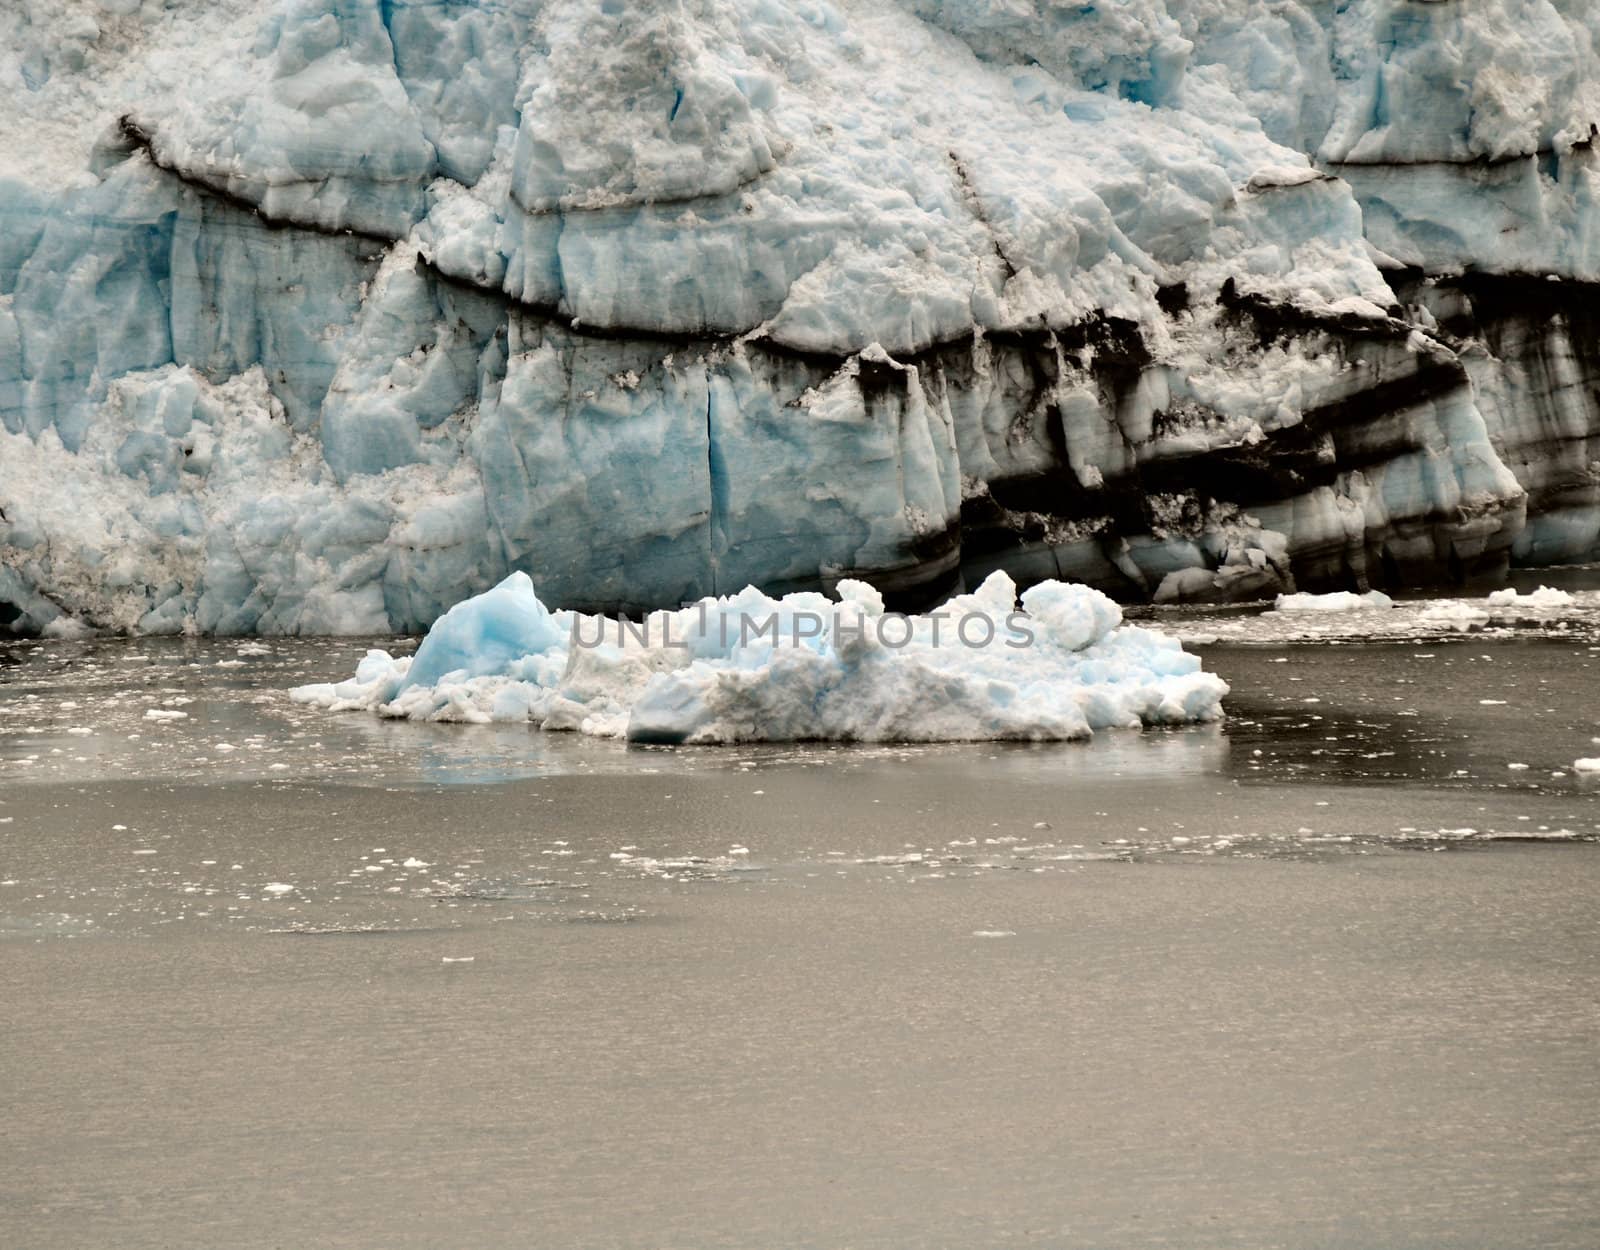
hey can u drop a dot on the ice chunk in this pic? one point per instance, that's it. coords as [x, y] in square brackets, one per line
[1074, 617]
[1454, 613]
[483, 635]
[1542, 599]
[1338, 601]
[748, 667]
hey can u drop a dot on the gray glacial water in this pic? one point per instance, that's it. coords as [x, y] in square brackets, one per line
[1325, 976]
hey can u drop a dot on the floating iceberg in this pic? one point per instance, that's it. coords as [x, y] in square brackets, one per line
[1335, 601]
[747, 667]
[1545, 598]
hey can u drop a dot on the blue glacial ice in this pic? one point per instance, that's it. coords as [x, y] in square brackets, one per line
[748, 668]
[317, 316]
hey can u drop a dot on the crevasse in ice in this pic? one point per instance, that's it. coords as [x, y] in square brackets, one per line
[319, 315]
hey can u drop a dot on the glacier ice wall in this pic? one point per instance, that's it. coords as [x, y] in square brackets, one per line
[320, 315]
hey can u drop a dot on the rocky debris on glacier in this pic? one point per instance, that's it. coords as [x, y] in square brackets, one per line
[747, 668]
[317, 314]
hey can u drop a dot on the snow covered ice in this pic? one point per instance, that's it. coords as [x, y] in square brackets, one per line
[1336, 601]
[747, 667]
[318, 315]
[1544, 598]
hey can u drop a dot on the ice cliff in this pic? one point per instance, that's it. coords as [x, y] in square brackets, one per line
[320, 315]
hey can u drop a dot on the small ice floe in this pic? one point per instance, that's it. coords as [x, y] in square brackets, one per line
[1517, 768]
[1338, 601]
[253, 648]
[276, 887]
[1454, 613]
[1492, 702]
[80, 731]
[994, 933]
[414, 862]
[1542, 599]
[458, 959]
[165, 714]
[1586, 766]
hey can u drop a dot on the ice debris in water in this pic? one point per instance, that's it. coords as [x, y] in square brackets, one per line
[1338, 601]
[748, 667]
[1542, 598]
[1454, 613]
[1586, 766]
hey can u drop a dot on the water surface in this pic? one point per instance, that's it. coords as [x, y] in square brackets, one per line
[1324, 976]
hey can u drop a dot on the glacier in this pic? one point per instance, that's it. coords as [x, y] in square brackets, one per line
[318, 316]
[750, 668]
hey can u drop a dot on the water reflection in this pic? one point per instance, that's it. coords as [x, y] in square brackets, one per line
[1505, 710]
[206, 709]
